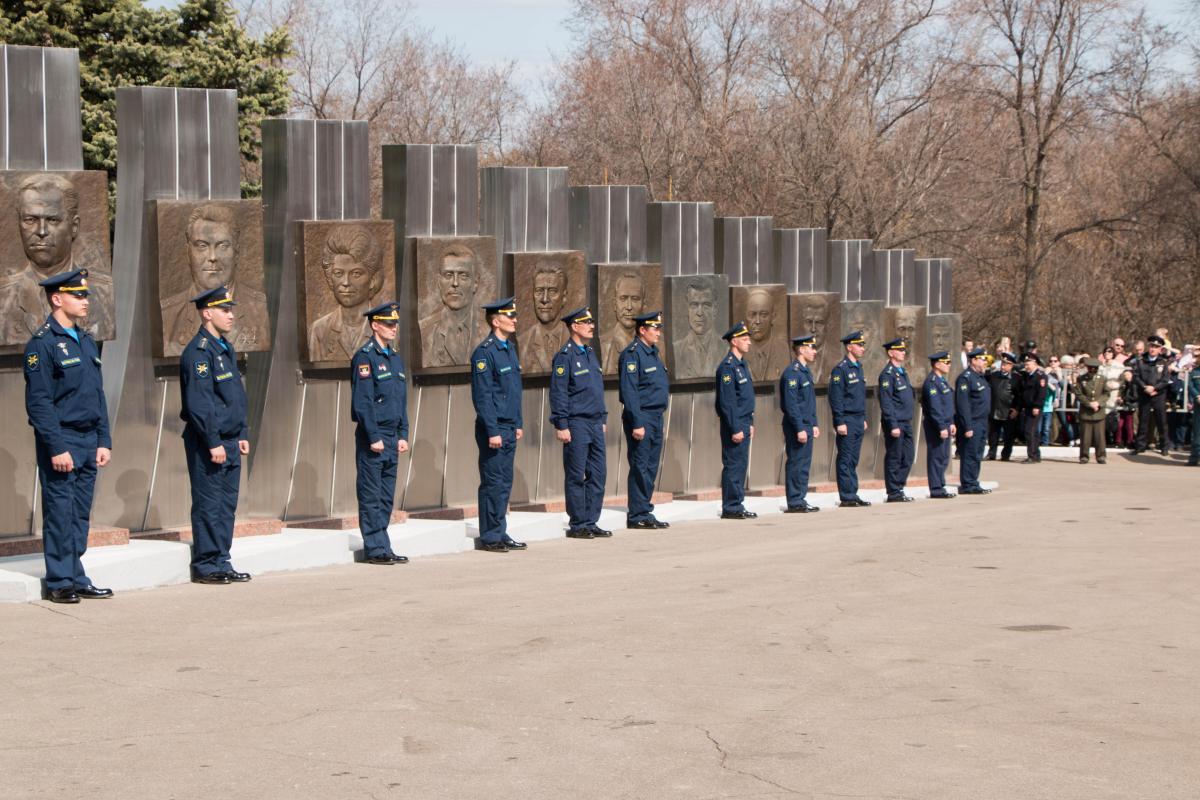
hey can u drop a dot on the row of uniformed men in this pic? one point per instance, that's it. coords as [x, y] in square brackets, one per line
[66, 407]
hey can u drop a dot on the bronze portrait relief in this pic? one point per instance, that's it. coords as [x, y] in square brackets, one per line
[945, 333]
[819, 314]
[547, 286]
[53, 222]
[202, 245]
[909, 322]
[346, 267]
[764, 310]
[454, 275]
[697, 316]
[624, 291]
[865, 316]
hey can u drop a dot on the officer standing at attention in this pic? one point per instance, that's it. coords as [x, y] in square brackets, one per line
[379, 404]
[496, 395]
[643, 391]
[1033, 397]
[735, 409]
[798, 401]
[972, 404]
[214, 436]
[1152, 382]
[580, 420]
[848, 402]
[896, 414]
[937, 401]
[64, 400]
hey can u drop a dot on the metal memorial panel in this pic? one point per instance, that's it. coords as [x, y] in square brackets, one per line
[623, 291]
[547, 285]
[801, 259]
[865, 316]
[911, 323]
[696, 314]
[608, 223]
[679, 235]
[819, 314]
[202, 245]
[52, 222]
[745, 250]
[345, 267]
[764, 309]
[453, 276]
[945, 333]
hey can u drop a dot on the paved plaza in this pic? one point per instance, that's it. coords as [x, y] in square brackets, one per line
[1039, 642]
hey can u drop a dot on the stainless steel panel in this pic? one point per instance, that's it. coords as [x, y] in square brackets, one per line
[328, 147]
[766, 450]
[462, 482]
[26, 93]
[908, 284]
[191, 148]
[466, 191]
[425, 485]
[444, 165]
[946, 306]
[4, 109]
[64, 128]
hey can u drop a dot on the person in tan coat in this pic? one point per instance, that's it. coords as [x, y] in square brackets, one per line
[1092, 390]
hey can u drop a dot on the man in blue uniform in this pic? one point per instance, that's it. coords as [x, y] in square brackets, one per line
[735, 409]
[643, 392]
[580, 420]
[848, 402]
[379, 404]
[496, 395]
[64, 399]
[972, 404]
[896, 415]
[798, 401]
[214, 436]
[937, 401]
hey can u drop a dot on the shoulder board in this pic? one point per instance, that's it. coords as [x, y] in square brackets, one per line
[566, 348]
[40, 332]
[203, 343]
[366, 348]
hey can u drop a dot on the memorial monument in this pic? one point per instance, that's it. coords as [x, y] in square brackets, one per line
[819, 314]
[550, 284]
[697, 313]
[866, 316]
[764, 310]
[910, 323]
[623, 292]
[454, 274]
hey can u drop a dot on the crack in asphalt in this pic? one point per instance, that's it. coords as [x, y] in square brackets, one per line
[725, 766]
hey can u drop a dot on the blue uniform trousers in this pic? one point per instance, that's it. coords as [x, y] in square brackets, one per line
[968, 468]
[643, 468]
[937, 459]
[585, 470]
[734, 460]
[375, 486]
[797, 466]
[495, 483]
[897, 459]
[214, 503]
[67, 510]
[848, 449]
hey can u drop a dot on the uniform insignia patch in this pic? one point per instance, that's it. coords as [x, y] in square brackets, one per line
[31, 362]
[560, 370]
[202, 369]
[837, 378]
[481, 365]
[364, 370]
[791, 383]
[632, 367]
[203, 343]
[886, 384]
[726, 378]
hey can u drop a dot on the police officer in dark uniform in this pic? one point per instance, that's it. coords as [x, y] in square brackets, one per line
[496, 395]
[379, 404]
[798, 402]
[214, 436]
[64, 400]
[937, 402]
[643, 391]
[1033, 397]
[735, 410]
[972, 404]
[580, 421]
[896, 403]
[1002, 423]
[1152, 382]
[848, 402]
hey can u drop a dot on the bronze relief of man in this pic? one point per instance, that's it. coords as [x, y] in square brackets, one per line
[447, 334]
[769, 353]
[629, 290]
[698, 352]
[352, 264]
[538, 343]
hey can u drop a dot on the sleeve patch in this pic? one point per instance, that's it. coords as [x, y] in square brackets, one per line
[726, 378]
[32, 363]
[837, 378]
[364, 370]
[202, 369]
[632, 367]
[559, 370]
[480, 365]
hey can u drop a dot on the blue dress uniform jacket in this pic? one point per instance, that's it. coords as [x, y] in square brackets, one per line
[937, 401]
[379, 404]
[214, 410]
[972, 404]
[577, 405]
[798, 401]
[735, 410]
[848, 403]
[496, 395]
[643, 389]
[896, 411]
[64, 400]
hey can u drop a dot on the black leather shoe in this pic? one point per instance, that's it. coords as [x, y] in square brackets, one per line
[899, 498]
[213, 578]
[739, 515]
[384, 560]
[513, 544]
[804, 509]
[491, 547]
[62, 596]
[398, 559]
[641, 525]
[93, 592]
[581, 533]
[1101, 460]
[600, 533]
[238, 577]
[658, 523]
[943, 496]
[857, 502]
[980, 490]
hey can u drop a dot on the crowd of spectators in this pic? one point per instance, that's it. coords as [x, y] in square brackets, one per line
[1106, 389]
